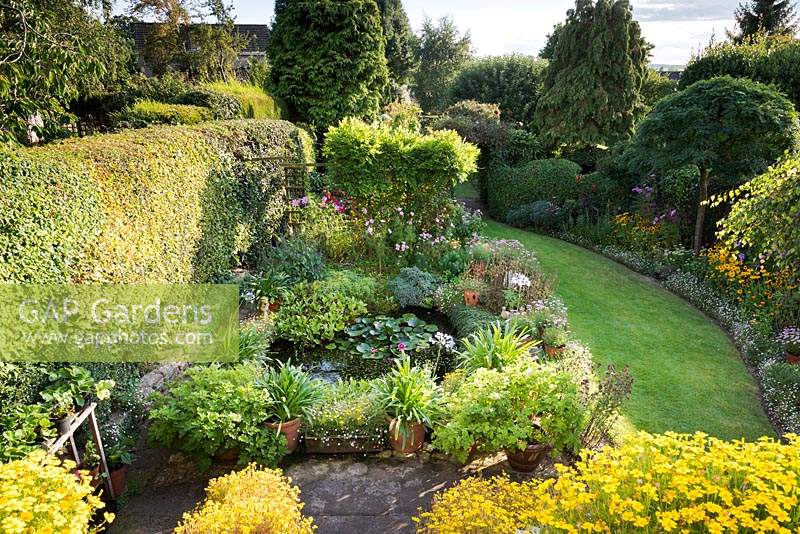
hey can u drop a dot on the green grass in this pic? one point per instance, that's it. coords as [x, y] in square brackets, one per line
[687, 374]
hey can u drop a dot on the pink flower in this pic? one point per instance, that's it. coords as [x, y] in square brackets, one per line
[401, 347]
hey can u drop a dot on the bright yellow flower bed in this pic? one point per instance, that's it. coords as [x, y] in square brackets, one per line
[40, 494]
[653, 483]
[250, 501]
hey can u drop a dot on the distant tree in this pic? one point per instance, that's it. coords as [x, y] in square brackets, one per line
[655, 86]
[441, 51]
[725, 127]
[772, 17]
[328, 61]
[512, 82]
[399, 41]
[166, 45]
[591, 93]
[549, 48]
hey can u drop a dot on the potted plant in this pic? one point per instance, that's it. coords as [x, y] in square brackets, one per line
[790, 339]
[69, 391]
[480, 254]
[119, 457]
[554, 339]
[410, 397]
[525, 410]
[291, 393]
[267, 290]
[90, 462]
[472, 288]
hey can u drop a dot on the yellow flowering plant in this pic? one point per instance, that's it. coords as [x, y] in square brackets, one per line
[653, 483]
[40, 494]
[252, 500]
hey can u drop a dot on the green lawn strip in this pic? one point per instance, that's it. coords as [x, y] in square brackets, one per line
[688, 376]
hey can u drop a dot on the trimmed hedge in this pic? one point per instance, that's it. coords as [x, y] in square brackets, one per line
[255, 103]
[166, 204]
[555, 180]
[145, 112]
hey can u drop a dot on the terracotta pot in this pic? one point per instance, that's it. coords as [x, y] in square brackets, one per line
[63, 425]
[471, 298]
[529, 458]
[414, 437]
[275, 305]
[119, 479]
[227, 457]
[792, 359]
[553, 351]
[290, 430]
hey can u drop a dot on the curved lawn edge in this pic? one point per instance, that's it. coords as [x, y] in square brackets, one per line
[688, 375]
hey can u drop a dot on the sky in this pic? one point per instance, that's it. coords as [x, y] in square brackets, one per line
[675, 27]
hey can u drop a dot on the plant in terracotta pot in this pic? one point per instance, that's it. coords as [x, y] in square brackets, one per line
[472, 288]
[494, 347]
[119, 457]
[267, 290]
[69, 390]
[410, 397]
[292, 394]
[480, 256]
[526, 410]
[554, 339]
[790, 339]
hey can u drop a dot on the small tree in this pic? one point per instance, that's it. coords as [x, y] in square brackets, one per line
[772, 17]
[512, 82]
[724, 126]
[591, 89]
[328, 59]
[441, 52]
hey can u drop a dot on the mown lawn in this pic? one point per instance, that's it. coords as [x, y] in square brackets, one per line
[687, 374]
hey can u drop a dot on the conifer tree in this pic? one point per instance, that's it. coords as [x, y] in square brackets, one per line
[773, 17]
[399, 41]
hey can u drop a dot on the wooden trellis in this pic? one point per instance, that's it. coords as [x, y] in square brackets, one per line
[69, 436]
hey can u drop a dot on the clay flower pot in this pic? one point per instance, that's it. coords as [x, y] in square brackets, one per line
[119, 479]
[553, 351]
[414, 437]
[63, 425]
[290, 430]
[529, 458]
[792, 359]
[471, 298]
[275, 305]
[227, 457]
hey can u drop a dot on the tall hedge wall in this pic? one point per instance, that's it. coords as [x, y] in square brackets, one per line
[162, 204]
[555, 180]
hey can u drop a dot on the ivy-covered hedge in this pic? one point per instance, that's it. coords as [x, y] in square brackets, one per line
[555, 180]
[161, 204]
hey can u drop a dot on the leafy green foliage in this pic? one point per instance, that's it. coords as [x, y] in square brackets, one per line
[555, 337]
[512, 82]
[381, 169]
[292, 393]
[24, 428]
[591, 88]
[772, 60]
[409, 395]
[724, 126]
[146, 112]
[771, 17]
[347, 409]
[298, 260]
[495, 347]
[399, 41]
[763, 218]
[253, 343]
[655, 87]
[107, 207]
[555, 180]
[548, 51]
[441, 52]
[414, 287]
[381, 337]
[215, 410]
[540, 215]
[468, 320]
[495, 410]
[328, 60]
[254, 102]
[70, 389]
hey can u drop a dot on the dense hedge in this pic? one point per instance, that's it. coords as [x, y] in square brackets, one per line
[556, 180]
[383, 169]
[161, 204]
[146, 112]
[254, 102]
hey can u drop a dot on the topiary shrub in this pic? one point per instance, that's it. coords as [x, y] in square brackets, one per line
[555, 180]
[414, 287]
[251, 500]
[511, 82]
[156, 205]
[254, 102]
[146, 112]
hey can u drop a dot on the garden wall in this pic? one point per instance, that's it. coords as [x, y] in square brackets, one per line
[163, 204]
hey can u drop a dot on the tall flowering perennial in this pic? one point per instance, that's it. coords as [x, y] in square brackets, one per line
[41, 494]
[653, 483]
[252, 500]
[789, 338]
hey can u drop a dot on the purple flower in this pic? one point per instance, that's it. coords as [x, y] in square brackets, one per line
[297, 202]
[741, 256]
[401, 347]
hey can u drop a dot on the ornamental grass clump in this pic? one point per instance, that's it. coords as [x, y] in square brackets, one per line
[653, 483]
[250, 500]
[40, 493]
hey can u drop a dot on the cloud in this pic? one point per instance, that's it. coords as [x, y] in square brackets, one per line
[666, 10]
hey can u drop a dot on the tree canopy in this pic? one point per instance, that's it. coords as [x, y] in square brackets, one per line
[441, 51]
[726, 127]
[328, 60]
[771, 17]
[549, 48]
[399, 41]
[591, 88]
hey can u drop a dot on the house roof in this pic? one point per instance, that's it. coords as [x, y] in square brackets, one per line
[258, 33]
